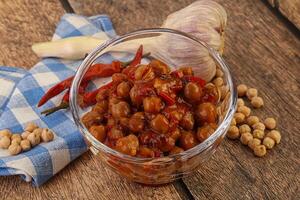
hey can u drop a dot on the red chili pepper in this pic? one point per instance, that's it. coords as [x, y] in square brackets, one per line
[195, 79]
[129, 71]
[169, 100]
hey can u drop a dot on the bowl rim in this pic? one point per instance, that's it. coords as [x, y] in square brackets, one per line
[186, 154]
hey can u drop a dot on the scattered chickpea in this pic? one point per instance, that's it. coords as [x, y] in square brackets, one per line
[239, 117]
[219, 73]
[16, 138]
[244, 128]
[260, 150]
[258, 134]
[5, 132]
[245, 110]
[242, 89]
[15, 141]
[253, 143]
[4, 142]
[270, 123]
[259, 126]
[268, 142]
[233, 132]
[34, 138]
[251, 120]
[275, 135]
[38, 131]
[30, 127]
[218, 82]
[25, 145]
[246, 138]
[14, 149]
[240, 102]
[25, 134]
[47, 135]
[257, 102]
[233, 122]
[251, 92]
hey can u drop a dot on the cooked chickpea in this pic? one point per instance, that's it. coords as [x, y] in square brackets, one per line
[187, 71]
[218, 81]
[240, 102]
[259, 126]
[121, 109]
[245, 110]
[187, 140]
[251, 92]
[159, 67]
[251, 120]
[246, 138]
[242, 89]
[233, 122]
[253, 143]
[99, 132]
[114, 134]
[219, 73]
[270, 123]
[145, 152]
[206, 113]
[258, 134]
[91, 118]
[4, 142]
[176, 150]
[166, 144]
[268, 142]
[101, 106]
[25, 134]
[14, 149]
[260, 150]
[136, 124]
[244, 128]
[34, 138]
[175, 134]
[123, 89]
[128, 145]
[25, 145]
[119, 77]
[275, 135]
[233, 132]
[239, 117]
[187, 122]
[192, 92]
[30, 127]
[160, 124]
[47, 135]
[257, 102]
[5, 132]
[205, 131]
[152, 104]
[144, 72]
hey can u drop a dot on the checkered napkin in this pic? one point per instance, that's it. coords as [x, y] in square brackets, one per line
[20, 91]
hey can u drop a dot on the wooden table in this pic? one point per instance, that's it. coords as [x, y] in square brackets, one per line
[263, 51]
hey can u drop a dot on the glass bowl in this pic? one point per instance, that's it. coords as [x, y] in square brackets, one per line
[161, 170]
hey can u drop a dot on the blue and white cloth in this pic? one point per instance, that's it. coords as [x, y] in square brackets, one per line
[20, 91]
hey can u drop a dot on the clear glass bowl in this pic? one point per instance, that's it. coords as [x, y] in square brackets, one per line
[155, 170]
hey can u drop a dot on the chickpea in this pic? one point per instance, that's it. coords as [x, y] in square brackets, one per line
[160, 124]
[187, 140]
[239, 117]
[275, 135]
[38, 131]
[218, 81]
[121, 109]
[244, 128]
[101, 107]
[166, 144]
[144, 72]
[258, 134]
[124, 122]
[25, 145]
[136, 124]
[152, 104]
[233, 122]
[5, 132]
[30, 127]
[187, 122]
[119, 77]
[159, 67]
[259, 126]
[246, 138]
[257, 102]
[128, 145]
[175, 134]
[47, 135]
[91, 118]
[233, 132]
[123, 89]
[270, 123]
[4, 142]
[206, 113]
[251, 120]
[15, 141]
[242, 89]
[240, 102]
[219, 73]
[260, 150]
[224, 91]
[25, 134]
[99, 132]
[187, 71]
[251, 92]
[34, 138]
[176, 150]
[245, 110]
[115, 134]
[253, 143]
[192, 91]
[14, 149]
[16, 137]
[205, 131]
[268, 142]
[145, 152]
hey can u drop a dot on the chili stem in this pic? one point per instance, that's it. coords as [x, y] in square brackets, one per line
[63, 105]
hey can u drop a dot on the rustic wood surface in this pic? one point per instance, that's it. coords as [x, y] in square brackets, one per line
[262, 52]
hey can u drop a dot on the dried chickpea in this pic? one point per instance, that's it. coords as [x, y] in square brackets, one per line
[240, 102]
[253, 143]
[218, 81]
[25, 134]
[239, 117]
[246, 138]
[244, 128]
[251, 120]
[242, 89]
[268, 142]
[25, 145]
[4, 142]
[275, 135]
[251, 92]
[34, 138]
[233, 132]
[30, 127]
[258, 134]
[15, 141]
[270, 123]
[14, 149]
[5, 132]
[233, 122]
[245, 110]
[259, 126]
[260, 150]
[16, 138]
[47, 135]
[38, 131]
[257, 102]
